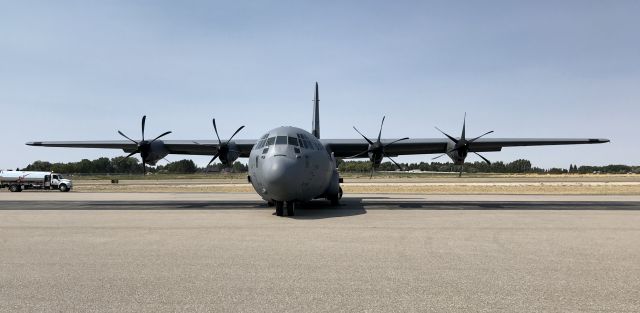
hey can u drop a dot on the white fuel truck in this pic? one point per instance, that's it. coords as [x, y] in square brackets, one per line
[20, 180]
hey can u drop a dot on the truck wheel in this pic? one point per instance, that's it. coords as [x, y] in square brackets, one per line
[63, 188]
[15, 188]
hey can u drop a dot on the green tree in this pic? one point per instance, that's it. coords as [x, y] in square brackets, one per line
[182, 166]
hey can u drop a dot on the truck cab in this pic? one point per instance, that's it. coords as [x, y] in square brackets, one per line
[57, 181]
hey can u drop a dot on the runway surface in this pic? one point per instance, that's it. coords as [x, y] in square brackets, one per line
[384, 253]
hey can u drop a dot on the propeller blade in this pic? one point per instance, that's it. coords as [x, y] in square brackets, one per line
[372, 169]
[401, 139]
[125, 136]
[448, 136]
[363, 136]
[144, 119]
[237, 131]
[166, 133]
[485, 159]
[464, 124]
[144, 167]
[474, 139]
[394, 162]
[454, 149]
[214, 158]
[216, 129]
[439, 156]
[380, 132]
[461, 169]
[357, 155]
[130, 154]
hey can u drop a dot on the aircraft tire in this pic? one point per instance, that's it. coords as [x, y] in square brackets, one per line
[279, 208]
[291, 208]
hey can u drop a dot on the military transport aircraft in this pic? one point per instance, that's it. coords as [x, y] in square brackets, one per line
[289, 166]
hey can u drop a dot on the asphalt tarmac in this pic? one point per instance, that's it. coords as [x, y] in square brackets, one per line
[385, 253]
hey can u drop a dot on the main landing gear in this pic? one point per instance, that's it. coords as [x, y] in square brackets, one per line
[335, 200]
[290, 207]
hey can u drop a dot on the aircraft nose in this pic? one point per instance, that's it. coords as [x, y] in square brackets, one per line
[280, 176]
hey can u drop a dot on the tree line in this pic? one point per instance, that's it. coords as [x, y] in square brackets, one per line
[120, 165]
[517, 166]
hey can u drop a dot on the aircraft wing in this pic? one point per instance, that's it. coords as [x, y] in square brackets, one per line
[340, 147]
[350, 147]
[195, 147]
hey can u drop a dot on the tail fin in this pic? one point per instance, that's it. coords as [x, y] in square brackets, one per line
[315, 126]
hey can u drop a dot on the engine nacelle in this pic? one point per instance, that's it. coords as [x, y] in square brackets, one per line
[457, 156]
[229, 153]
[157, 152]
[151, 152]
[374, 157]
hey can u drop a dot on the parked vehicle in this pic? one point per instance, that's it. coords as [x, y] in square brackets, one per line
[17, 181]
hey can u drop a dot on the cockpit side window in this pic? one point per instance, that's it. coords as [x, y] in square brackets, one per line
[300, 141]
[281, 140]
[293, 141]
[271, 141]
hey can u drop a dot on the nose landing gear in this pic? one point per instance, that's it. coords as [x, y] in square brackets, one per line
[291, 207]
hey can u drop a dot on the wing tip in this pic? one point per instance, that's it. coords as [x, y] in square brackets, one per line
[599, 140]
[34, 143]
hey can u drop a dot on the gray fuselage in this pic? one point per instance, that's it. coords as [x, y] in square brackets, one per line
[290, 164]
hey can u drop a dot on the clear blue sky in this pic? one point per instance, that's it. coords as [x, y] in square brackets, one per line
[80, 70]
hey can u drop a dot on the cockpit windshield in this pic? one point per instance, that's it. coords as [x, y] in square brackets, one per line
[298, 141]
[270, 141]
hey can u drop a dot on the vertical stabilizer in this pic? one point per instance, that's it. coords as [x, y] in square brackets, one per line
[315, 126]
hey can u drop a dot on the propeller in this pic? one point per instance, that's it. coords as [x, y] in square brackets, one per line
[143, 146]
[376, 151]
[223, 147]
[463, 146]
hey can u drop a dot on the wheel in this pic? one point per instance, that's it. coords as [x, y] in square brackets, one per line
[279, 207]
[335, 200]
[291, 207]
[63, 188]
[15, 188]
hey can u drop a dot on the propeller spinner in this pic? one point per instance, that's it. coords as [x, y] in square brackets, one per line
[143, 146]
[376, 150]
